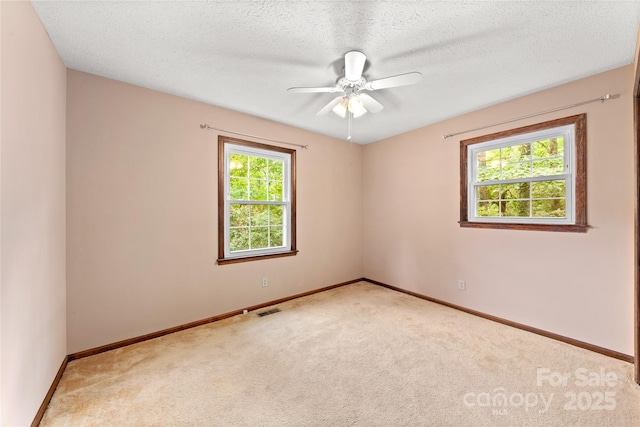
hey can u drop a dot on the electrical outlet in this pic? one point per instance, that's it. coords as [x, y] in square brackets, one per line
[265, 282]
[462, 285]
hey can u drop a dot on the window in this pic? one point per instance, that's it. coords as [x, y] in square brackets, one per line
[528, 178]
[256, 201]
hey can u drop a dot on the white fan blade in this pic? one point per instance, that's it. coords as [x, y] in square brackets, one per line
[353, 65]
[370, 104]
[394, 81]
[332, 89]
[335, 101]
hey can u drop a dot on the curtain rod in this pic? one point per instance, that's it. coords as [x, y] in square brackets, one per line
[601, 100]
[206, 126]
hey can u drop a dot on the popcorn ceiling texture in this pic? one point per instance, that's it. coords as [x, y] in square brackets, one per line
[356, 355]
[244, 55]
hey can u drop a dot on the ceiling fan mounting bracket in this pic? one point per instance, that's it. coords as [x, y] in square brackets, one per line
[356, 85]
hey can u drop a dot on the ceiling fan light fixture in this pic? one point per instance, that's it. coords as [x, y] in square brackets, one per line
[350, 102]
[356, 107]
[341, 108]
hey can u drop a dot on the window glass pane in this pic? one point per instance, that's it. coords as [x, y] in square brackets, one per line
[516, 170]
[275, 191]
[259, 237]
[488, 165]
[259, 215]
[548, 189]
[238, 165]
[488, 209]
[515, 191]
[258, 190]
[549, 148]
[239, 215]
[275, 234]
[516, 153]
[258, 167]
[554, 208]
[489, 158]
[239, 239]
[488, 192]
[548, 167]
[488, 174]
[238, 188]
[276, 215]
[515, 208]
[275, 170]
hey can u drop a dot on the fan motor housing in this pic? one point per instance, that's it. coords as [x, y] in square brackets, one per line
[356, 85]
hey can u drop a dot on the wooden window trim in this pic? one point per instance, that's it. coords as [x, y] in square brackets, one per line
[221, 191]
[636, 147]
[580, 226]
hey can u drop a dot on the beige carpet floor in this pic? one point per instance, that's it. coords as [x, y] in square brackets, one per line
[356, 355]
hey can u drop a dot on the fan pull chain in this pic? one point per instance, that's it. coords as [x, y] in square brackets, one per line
[350, 114]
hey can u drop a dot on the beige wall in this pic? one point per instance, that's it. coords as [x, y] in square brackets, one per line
[1, 387]
[33, 305]
[577, 285]
[142, 213]
[142, 218]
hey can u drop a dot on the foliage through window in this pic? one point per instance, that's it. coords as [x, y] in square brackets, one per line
[533, 177]
[256, 201]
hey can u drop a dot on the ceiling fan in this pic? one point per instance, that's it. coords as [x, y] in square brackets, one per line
[352, 100]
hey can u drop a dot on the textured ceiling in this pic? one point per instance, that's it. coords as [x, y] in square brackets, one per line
[243, 55]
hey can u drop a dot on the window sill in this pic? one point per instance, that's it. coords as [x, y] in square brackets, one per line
[571, 228]
[223, 261]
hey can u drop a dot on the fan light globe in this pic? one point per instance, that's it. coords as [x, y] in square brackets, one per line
[356, 107]
[341, 108]
[352, 104]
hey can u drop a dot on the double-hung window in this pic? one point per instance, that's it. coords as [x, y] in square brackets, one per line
[256, 191]
[528, 178]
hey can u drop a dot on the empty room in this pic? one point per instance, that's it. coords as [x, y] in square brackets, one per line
[323, 213]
